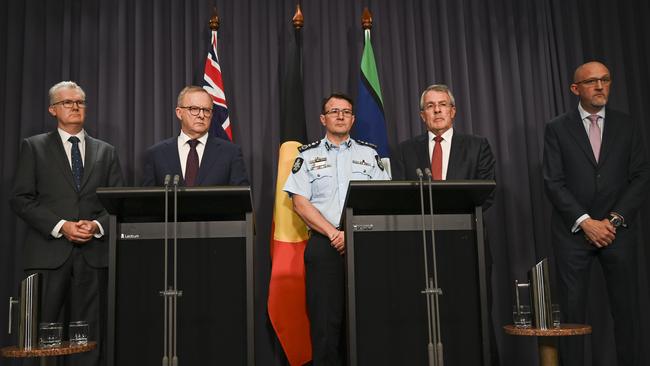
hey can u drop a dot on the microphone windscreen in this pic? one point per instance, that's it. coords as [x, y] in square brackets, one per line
[167, 179]
[418, 172]
[176, 179]
[427, 171]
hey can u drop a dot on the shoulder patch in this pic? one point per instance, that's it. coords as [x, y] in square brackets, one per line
[379, 163]
[309, 146]
[366, 144]
[297, 164]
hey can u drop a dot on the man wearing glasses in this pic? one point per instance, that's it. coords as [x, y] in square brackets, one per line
[597, 176]
[54, 193]
[198, 158]
[318, 186]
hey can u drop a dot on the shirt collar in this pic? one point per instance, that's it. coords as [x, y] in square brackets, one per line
[446, 136]
[329, 145]
[65, 136]
[184, 138]
[584, 114]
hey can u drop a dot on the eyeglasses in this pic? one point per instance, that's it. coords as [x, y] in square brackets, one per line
[441, 105]
[334, 112]
[591, 82]
[69, 103]
[207, 112]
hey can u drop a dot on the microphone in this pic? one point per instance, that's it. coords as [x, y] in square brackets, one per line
[176, 179]
[166, 324]
[167, 179]
[436, 291]
[176, 292]
[427, 292]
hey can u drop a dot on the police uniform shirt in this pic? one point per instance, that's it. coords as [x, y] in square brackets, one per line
[322, 171]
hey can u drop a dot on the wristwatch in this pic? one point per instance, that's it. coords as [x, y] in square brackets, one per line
[615, 220]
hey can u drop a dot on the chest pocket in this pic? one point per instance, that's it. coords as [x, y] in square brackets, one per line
[361, 171]
[322, 180]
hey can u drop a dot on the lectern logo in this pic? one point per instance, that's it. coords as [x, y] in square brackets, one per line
[129, 236]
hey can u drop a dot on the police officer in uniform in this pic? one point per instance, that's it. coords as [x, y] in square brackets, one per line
[318, 185]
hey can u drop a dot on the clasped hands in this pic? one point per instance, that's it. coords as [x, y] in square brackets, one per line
[337, 240]
[600, 233]
[79, 232]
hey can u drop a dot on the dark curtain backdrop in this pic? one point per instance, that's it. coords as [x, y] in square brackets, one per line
[509, 64]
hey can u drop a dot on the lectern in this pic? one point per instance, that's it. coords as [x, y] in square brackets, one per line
[215, 275]
[386, 310]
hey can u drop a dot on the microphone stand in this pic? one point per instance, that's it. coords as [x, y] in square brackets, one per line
[175, 292]
[431, 351]
[434, 286]
[165, 359]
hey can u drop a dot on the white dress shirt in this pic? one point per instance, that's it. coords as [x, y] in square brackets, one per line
[184, 149]
[586, 123]
[67, 146]
[445, 144]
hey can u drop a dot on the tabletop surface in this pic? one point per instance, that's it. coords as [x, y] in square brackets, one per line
[563, 330]
[65, 349]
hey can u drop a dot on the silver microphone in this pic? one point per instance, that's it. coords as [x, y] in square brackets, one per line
[167, 179]
[427, 171]
[418, 172]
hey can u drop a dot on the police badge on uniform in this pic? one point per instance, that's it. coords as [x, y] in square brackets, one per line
[379, 163]
[297, 164]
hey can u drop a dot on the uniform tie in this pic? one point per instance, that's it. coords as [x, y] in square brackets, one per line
[436, 159]
[77, 163]
[192, 165]
[594, 135]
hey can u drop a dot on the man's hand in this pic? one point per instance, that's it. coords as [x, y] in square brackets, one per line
[79, 232]
[599, 233]
[337, 240]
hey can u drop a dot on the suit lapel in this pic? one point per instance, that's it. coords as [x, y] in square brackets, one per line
[577, 129]
[454, 155]
[173, 159]
[209, 157]
[422, 151]
[89, 159]
[56, 148]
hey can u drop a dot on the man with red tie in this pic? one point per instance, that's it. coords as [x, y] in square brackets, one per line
[198, 158]
[597, 175]
[447, 152]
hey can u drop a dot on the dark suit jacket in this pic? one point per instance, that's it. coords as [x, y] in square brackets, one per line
[222, 163]
[577, 184]
[470, 157]
[44, 193]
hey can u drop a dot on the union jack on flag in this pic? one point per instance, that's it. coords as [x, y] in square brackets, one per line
[213, 84]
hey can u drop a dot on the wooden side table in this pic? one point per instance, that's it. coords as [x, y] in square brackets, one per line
[46, 353]
[547, 339]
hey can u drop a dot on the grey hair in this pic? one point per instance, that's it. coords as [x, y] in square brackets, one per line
[439, 88]
[190, 89]
[64, 85]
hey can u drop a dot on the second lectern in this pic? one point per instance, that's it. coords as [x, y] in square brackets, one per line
[214, 262]
[386, 278]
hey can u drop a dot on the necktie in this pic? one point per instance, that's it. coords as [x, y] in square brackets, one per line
[594, 135]
[77, 163]
[436, 159]
[192, 165]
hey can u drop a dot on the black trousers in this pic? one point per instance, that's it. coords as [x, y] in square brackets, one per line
[619, 264]
[324, 269]
[76, 291]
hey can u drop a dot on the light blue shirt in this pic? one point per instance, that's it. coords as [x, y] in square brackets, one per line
[322, 172]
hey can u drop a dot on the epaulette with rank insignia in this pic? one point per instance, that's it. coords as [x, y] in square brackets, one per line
[309, 146]
[366, 144]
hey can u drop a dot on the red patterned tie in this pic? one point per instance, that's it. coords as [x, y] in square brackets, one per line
[436, 159]
[192, 165]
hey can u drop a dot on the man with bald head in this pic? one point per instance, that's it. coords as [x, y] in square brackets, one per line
[597, 175]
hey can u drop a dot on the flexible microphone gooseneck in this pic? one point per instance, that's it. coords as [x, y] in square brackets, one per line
[176, 293]
[426, 292]
[436, 290]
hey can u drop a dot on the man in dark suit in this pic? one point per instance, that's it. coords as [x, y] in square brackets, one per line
[597, 176]
[455, 156]
[54, 193]
[195, 156]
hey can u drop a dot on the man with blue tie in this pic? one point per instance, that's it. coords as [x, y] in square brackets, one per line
[54, 193]
[597, 175]
[199, 158]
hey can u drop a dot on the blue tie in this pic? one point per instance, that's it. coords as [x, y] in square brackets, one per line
[77, 163]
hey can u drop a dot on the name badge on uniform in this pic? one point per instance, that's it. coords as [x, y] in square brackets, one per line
[361, 162]
[318, 162]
